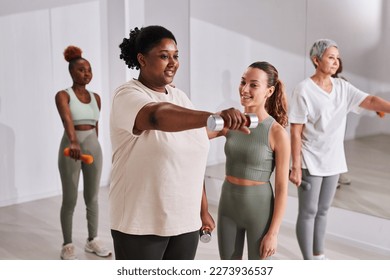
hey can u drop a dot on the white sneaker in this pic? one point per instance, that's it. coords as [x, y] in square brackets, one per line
[68, 252]
[320, 258]
[95, 246]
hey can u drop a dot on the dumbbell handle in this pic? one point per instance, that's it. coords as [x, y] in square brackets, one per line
[88, 159]
[216, 122]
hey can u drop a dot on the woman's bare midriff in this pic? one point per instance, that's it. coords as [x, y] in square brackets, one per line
[84, 127]
[243, 182]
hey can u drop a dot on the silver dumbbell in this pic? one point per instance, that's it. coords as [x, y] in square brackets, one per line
[305, 185]
[205, 235]
[216, 122]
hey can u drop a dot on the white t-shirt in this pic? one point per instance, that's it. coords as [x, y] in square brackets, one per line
[324, 117]
[157, 177]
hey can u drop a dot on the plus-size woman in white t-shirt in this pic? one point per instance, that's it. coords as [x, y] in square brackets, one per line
[160, 147]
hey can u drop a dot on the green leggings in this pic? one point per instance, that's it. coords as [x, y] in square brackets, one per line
[243, 209]
[70, 175]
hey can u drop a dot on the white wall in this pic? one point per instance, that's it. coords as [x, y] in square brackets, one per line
[217, 40]
[227, 36]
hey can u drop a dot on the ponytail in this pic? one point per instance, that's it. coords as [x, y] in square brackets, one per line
[276, 104]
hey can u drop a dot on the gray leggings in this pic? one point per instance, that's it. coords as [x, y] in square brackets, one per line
[312, 215]
[70, 175]
[243, 209]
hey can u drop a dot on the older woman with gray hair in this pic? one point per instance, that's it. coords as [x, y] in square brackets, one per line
[318, 111]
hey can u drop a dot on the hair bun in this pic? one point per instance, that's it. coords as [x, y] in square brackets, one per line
[72, 52]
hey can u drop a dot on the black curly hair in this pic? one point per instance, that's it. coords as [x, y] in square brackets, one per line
[142, 41]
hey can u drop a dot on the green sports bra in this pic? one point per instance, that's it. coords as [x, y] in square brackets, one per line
[250, 156]
[83, 113]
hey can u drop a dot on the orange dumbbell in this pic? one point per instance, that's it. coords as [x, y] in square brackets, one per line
[88, 159]
[381, 114]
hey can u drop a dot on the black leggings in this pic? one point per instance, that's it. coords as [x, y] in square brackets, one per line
[153, 247]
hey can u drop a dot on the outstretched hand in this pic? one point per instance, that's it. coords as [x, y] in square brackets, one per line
[234, 119]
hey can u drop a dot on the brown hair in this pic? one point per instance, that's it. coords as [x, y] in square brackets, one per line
[276, 104]
[72, 54]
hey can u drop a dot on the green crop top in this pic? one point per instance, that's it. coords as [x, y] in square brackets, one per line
[250, 156]
[83, 113]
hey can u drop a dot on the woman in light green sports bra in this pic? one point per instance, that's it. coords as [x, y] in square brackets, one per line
[249, 205]
[79, 111]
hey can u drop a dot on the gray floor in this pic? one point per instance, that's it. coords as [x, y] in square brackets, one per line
[31, 231]
[369, 169]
